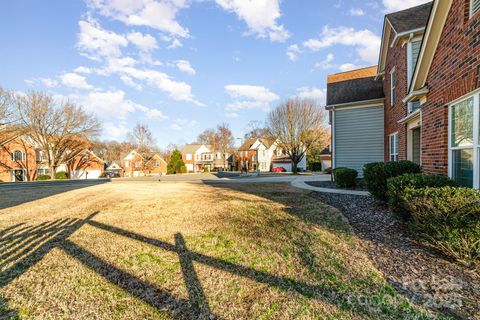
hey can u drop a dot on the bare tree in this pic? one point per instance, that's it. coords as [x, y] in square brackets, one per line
[298, 124]
[7, 114]
[207, 137]
[256, 129]
[61, 130]
[224, 141]
[142, 138]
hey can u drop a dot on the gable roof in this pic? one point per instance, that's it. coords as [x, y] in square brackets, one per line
[431, 39]
[267, 142]
[247, 144]
[353, 74]
[360, 85]
[411, 18]
[191, 148]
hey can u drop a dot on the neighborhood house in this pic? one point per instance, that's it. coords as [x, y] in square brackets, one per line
[139, 165]
[201, 157]
[421, 102]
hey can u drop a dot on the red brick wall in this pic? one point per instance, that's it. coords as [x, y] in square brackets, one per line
[454, 73]
[6, 162]
[396, 58]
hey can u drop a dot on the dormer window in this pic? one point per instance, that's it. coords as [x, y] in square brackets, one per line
[474, 7]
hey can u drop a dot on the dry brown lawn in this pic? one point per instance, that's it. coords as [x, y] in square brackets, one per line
[150, 250]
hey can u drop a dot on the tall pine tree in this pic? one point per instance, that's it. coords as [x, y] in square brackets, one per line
[176, 164]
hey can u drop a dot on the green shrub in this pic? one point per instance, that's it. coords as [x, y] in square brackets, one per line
[206, 170]
[61, 175]
[345, 177]
[43, 177]
[176, 163]
[315, 166]
[397, 185]
[449, 218]
[376, 174]
[183, 169]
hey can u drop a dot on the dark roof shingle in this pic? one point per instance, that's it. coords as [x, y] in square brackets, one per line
[354, 90]
[410, 19]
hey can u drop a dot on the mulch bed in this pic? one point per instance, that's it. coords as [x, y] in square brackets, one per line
[426, 277]
[332, 185]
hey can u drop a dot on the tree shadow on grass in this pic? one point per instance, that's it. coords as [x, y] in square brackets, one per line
[13, 194]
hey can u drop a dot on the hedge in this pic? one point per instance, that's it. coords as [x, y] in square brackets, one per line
[345, 177]
[43, 177]
[376, 174]
[61, 175]
[397, 185]
[449, 218]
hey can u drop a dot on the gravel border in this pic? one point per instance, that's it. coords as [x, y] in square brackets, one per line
[426, 277]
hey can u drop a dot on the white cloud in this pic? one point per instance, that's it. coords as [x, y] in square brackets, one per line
[185, 66]
[250, 97]
[114, 132]
[175, 44]
[293, 51]
[349, 66]
[129, 82]
[366, 42]
[157, 14]
[46, 82]
[144, 42]
[97, 43]
[356, 12]
[84, 70]
[326, 63]
[74, 80]
[397, 5]
[260, 16]
[231, 115]
[313, 93]
[181, 124]
[112, 104]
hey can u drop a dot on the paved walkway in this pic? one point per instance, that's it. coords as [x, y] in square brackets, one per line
[300, 183]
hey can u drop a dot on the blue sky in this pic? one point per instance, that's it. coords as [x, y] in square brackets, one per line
[182, 66]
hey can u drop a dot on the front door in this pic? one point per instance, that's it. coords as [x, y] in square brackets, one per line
[416, 145]
[18, 175]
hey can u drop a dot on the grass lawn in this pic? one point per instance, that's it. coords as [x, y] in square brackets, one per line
[149, 250]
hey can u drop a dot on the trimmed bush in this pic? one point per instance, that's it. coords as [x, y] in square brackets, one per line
[206, 170]
[345, 177]
[43, 177]
[449, 218]
[376, 174]
[61, 175]
[397, 185]
[183, 169]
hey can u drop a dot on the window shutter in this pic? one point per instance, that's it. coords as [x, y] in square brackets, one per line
[474, 7]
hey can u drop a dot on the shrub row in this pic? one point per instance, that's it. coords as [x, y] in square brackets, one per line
[436, 210]
[345, 177]
[376, 174]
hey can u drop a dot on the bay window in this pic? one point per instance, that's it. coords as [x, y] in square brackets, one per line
[464, 148]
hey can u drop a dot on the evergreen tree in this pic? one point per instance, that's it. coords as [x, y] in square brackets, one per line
[176, 164]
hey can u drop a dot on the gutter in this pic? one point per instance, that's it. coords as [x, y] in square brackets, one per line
[347, 104]
[412, 95]
[409, 33]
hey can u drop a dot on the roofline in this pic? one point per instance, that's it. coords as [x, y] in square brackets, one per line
[400, 35]
[430, 42]
[415, 94]
[348, 104]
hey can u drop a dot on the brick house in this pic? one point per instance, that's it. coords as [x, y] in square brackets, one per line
[20, 160]
[200, 157]
[429, 67]
[137, 165]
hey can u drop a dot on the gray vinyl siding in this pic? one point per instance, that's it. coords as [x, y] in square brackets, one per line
[415, 52]
[359, 137]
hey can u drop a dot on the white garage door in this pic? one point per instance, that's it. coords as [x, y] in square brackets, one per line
[82, 174]
[286, 166]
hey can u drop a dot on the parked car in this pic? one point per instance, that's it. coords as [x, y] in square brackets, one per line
[109, 174]
[279, 169]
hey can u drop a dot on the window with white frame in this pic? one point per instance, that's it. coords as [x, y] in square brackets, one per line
[18, 155]
[393, 145]
[474, 7]
[464, 148]
[413, 50]
[156, 164]
[392, 87]
[188, 156]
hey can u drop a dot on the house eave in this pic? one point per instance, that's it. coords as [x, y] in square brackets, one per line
[415, 94]
[355, 103]
[411, 116]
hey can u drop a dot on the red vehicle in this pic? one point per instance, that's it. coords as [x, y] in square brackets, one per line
[279, 169]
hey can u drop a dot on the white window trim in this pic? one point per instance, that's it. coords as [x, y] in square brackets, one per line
[476, 140]
[410, 67]
[395, 150]
[392, 87]
[471, 9]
